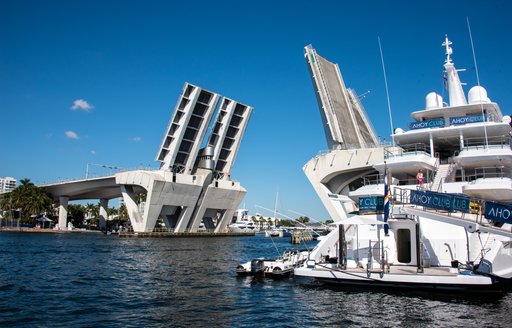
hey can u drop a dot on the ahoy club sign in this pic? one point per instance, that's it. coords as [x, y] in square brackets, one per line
[461, 120]
[438, 122]
[498, 212]
[371, 204]
[439, 201]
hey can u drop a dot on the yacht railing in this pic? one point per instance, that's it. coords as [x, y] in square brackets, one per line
[487, 172]
[475, 213]
[381, 258]
[373, 179]
[432, 177]
[401, 197]
[95, 176]
[382, 144]
[407, 150]
[492, 143]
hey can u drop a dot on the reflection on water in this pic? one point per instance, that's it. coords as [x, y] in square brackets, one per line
[97, 280]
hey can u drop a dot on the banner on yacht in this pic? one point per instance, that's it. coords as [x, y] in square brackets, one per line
[498, 212]
[461, 120]
[440, 201]
[438, 122]
[371, 204]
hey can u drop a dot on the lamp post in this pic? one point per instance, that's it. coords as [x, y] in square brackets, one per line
[100, 165]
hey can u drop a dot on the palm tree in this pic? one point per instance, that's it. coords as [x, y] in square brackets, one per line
[28, 199]
[77, 214]
[26, 182]
[92, 211]
[38, 202]
[123, 212]
[303, 219]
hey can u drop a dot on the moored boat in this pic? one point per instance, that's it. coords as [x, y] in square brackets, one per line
[280, 267]
[430, 211]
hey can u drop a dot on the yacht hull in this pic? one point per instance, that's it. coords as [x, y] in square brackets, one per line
[467, 282]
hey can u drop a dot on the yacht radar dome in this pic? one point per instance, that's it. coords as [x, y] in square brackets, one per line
[478, 95]
[433, 101]
[506, 119]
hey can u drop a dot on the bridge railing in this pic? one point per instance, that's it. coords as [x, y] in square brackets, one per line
[96, 176]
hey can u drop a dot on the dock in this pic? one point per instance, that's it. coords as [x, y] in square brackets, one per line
[301, 236]
[172, 234]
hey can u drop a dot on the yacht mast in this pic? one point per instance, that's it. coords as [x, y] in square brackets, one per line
[478, 82]
[457, 97]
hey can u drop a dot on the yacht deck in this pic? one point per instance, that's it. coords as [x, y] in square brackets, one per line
[398, 270]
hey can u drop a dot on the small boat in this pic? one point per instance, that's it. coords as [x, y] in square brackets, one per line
[281, 267]
[242, 222]
[277, 232]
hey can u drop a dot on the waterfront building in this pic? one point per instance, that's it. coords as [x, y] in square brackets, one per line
[7, 184]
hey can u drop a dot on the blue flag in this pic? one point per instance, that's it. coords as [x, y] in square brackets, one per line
[386, 200]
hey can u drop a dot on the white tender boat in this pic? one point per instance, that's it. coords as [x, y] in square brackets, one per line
[275, 268]
[451, 231]
[277, 232]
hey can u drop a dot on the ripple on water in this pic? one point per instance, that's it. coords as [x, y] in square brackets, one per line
[95, 280]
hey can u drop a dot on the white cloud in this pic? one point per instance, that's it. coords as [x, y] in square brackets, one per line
[136, 139]
[93, 152]
[81, 104]
[71, 135]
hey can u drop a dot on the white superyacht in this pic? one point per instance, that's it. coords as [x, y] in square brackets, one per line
[446, 228]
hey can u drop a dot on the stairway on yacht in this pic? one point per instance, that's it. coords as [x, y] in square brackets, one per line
[442, 172]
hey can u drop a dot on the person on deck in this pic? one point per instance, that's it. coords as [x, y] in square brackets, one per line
[420, 178]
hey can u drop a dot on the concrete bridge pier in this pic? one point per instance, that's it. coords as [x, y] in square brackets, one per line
[103, 214]
[63, 212]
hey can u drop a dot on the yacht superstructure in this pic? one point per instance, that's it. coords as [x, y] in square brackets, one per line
[447, 227]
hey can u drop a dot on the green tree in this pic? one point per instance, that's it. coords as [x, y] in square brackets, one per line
[123, 212]
[92, 212]
[303, 219]
[31, 201]
[76, 214]
[286, 223]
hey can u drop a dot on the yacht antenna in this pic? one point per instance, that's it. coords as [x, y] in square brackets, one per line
[478, 83]
[275, 207]
[387, 93]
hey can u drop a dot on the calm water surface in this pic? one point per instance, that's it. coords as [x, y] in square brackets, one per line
[89, 280]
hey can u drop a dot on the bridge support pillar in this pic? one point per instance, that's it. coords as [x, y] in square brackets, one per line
[103, 214]
[63, 212]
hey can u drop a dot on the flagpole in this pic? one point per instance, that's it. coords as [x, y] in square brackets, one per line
[387, 93]
[386, 199]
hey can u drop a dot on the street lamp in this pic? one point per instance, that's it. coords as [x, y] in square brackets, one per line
[100, 165]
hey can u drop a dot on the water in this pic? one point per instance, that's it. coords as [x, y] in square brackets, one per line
[89, 280]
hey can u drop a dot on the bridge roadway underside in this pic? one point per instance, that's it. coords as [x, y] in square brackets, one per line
[182, 199]
[104, 189]
[96, 188]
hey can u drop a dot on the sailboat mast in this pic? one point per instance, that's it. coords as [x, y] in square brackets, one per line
[275, 208]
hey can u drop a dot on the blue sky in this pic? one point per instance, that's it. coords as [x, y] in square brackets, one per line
[96, 81]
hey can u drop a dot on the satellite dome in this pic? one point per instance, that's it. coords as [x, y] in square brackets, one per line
[433, 101]
[478, 95]
[506, 119]
[399, 131]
